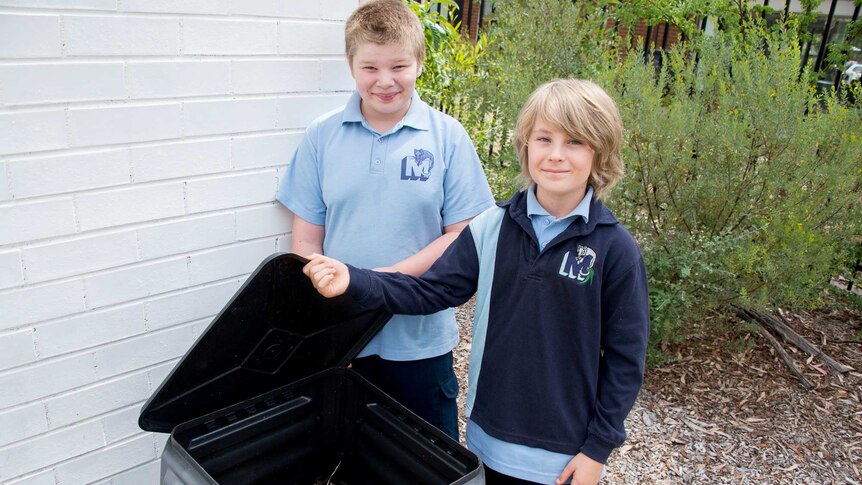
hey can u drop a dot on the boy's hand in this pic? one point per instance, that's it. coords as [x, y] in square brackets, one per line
[330, 277]
[583, 470]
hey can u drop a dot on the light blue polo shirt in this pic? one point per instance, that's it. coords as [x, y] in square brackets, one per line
[547, 227]
[516, 460]
[382, 197]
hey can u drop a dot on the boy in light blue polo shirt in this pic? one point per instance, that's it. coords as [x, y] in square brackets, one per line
[387, 182]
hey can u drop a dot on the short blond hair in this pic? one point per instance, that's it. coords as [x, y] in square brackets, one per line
[384, 22]
[584, 111]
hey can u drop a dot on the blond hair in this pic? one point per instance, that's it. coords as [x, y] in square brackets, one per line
[583, 111]
[384, 22]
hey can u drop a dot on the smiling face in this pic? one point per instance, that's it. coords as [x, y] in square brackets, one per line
[559, 165]
[385, 78]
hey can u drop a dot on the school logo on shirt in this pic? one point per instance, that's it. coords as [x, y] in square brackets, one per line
[579, 266]
[417, 166]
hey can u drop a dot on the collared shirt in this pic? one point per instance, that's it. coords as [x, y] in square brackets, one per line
[561, 334]
[382, 197]
[547, 227]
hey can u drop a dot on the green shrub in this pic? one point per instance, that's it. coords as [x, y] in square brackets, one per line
[743, 183]
[451, 72]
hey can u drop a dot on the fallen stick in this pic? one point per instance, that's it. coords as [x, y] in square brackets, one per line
[791, 336]
[785, 357]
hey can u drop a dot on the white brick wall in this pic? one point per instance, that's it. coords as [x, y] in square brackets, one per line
[141, 145]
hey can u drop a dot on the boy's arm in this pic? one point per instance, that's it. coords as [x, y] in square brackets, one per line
[306, 238]
[419, 263]
[625, 332]
[450, 282]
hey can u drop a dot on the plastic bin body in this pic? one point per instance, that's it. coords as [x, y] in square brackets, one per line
[231, 422]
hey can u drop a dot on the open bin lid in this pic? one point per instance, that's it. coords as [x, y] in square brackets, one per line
[275, 330]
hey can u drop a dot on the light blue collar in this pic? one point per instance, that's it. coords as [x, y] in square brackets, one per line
[534, 208]
[418, 115]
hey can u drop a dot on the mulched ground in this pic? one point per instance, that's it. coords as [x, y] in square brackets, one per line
[727, 409]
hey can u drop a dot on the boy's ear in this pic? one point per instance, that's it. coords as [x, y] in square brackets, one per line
[419, 69]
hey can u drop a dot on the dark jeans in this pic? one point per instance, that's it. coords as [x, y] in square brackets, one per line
[493, 477]
[428, 387]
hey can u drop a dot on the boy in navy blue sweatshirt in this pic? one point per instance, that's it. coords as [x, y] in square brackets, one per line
[562, 312]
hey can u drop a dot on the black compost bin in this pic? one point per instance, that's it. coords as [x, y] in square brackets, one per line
[264, 396]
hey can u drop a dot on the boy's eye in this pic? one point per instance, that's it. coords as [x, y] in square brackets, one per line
[575, 142]
[543, 139]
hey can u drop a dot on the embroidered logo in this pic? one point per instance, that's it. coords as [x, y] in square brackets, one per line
[417, 166]
[580, 266]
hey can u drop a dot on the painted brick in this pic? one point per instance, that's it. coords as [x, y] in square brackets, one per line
[187, 235]
[176, 6]
[103, 126]
[299, 111]
[23, 36]
[160, 79]
[89, 329]
[143, 351]
[218, 264]
[98, 399]
[235, 116]
[61, 82]
[43, 380]
[338, 9]
[310, 38]
[18, 348]
[30, 305]
[191, 305]
[11, 269]
[161, 440]
[49, 449]
[260, 222]
[4, 183]
[219, 37]
[274, 76]
[122, 424]
[146, 473]
[30, 131]
[121, 36]
[107, 461]
[269, 150]
[125, 206]
[79, 256]
[175, 160]
[276, 8]
[136, 282]
[68, 173]
[24, 422]
[41, 478]
[159, 373]
[335, 76]
[282, 244]
[202, 325]
[230, 191]
[37, 220]
[65, 4]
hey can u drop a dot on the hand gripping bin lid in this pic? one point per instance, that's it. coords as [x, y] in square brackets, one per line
[263, 396]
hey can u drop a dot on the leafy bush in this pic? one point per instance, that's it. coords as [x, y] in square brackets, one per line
[453, 68]
[743, 183]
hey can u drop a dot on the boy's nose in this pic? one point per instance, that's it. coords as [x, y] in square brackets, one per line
[385, 79]
[556, 152]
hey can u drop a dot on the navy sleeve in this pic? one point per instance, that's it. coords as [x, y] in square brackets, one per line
[625, 333]
[450, 282]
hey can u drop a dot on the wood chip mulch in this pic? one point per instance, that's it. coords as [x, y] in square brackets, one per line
[727, 410]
